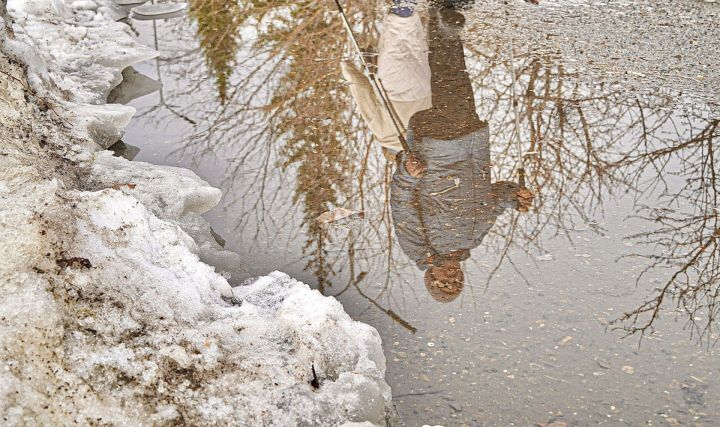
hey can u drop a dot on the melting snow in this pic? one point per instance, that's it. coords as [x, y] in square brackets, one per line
[109, 314]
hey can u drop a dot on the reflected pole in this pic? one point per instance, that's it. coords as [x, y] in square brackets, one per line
[378, 87]
[518, 143]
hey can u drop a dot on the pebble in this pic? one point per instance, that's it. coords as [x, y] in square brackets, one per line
[545, 257]
[454, 407]
[628, 370]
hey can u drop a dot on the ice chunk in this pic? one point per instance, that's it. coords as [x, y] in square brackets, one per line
[104, 124]
[42, 8]
[173, 194]
[168, 191]
[159, 9]
[85, 58]
[147, 323]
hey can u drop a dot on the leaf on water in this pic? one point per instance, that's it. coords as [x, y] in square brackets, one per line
[120, 185]
[524, 193]
[337, 214]
[566, 340]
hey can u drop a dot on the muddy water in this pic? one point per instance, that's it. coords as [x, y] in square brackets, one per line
[592, 302]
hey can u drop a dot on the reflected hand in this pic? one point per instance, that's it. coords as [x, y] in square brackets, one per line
[415, 166]
[524, 199]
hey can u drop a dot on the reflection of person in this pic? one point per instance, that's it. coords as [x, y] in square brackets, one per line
[404, 71]
[442, 198]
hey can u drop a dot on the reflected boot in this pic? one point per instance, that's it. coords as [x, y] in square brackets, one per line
[451, 4]
[403, 8]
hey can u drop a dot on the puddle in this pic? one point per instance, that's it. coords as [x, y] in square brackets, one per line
[493, 309]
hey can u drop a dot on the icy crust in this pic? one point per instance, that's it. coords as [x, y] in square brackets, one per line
[145, 337]
[78, 49]
[168, 191]
[109, 316]
[174, 194]
[159, 336]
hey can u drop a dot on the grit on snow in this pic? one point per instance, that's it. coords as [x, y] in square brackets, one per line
[109, 314]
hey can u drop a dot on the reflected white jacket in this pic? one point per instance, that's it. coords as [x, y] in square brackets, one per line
[404, 71]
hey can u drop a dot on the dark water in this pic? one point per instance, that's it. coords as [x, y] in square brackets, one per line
[593, 301]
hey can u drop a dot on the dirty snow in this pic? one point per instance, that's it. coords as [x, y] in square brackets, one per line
[81, 54]
[109, 314]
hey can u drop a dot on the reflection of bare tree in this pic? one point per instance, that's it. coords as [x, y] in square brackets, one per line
[589, 146]
[283, 117]
[218, 22]
[573, 131]
[686, 234]
[311, 114]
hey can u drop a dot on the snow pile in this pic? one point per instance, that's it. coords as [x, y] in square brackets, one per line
[80, 50]
[159, 334]
[109, 315]
[174, 194]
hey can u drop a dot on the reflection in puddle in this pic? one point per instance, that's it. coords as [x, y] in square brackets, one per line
[623, 215]
[443, 202]
[217, 24]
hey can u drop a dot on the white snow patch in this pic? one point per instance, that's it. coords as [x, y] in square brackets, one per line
[173, 194]
[81, 53]
[109, 314]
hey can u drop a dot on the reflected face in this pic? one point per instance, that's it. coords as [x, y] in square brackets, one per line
[446, 281]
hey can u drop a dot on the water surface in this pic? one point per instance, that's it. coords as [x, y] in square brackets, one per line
[594, 302]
